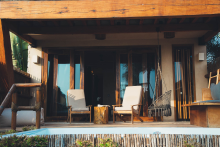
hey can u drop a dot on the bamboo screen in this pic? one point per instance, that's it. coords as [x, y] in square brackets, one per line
[183, 80]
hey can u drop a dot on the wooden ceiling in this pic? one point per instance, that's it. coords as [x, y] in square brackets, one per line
[25, 27]
[119, 21]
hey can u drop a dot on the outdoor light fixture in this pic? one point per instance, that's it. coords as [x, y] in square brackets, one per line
[201, 56]
[35, 59]
[100, 36]
[168, 35]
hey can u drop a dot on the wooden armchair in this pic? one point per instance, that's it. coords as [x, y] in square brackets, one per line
[206, 92]
[77, 103]
[131, 103]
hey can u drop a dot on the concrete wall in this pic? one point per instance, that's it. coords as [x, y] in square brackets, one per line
[166, 58]
[34, 70]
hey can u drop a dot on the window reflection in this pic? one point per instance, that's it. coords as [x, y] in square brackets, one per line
[77, 71]
[63, 83]
[137, 69]
[123, 74]
[150, 76]
[143, 66]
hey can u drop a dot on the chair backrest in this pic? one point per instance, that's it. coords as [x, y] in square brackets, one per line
[132, 96]
[217, 76]
[76, 98]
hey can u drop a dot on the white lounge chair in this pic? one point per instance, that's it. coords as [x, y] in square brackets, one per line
[77, 103]
[131, 103]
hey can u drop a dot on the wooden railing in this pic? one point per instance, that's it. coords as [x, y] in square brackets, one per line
[12, 92]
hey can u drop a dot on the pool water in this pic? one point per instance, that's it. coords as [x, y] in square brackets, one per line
[123, 130]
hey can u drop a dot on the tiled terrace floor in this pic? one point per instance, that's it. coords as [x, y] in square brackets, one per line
[110, 124]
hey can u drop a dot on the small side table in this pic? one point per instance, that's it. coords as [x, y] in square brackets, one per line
[101, 115]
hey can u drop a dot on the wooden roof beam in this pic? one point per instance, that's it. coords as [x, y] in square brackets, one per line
[208, 36]
[127, 21]
[182, 20]
[98, 22]
[27, 23]
[169, 20]
[70, 23]
[14, 29]
[42, 23]
[141, 21]
[84, 22]
[208, 19]
[195, 20]
[105, 9]
[117, 29]
[56, 23]
[112, 22]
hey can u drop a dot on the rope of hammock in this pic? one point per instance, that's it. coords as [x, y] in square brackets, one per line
[161, 105]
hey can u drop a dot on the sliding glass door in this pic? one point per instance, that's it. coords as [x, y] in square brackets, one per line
[59, 82]
[137, 67]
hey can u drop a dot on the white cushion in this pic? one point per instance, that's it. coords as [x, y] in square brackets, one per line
[132, 96]
[80, 109]
[76, 98]
[215, 91]
[122, 109]
[125, 109]
[24, 118]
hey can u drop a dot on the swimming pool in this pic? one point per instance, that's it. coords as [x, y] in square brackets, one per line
[122, 130]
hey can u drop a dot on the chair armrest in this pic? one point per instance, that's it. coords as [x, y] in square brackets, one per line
[69, 108]
[116, 106]
[90, 107]
[137, 105]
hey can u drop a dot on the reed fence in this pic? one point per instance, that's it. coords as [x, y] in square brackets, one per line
[136, 140]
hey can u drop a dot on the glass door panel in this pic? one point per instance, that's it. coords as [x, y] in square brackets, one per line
[143, 66]
[63, 83]
[137, 69]
[123, 75]
[150, 77]
[77, 71]
[58, 84]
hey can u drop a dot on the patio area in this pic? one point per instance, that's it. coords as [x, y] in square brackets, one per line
[110, 124]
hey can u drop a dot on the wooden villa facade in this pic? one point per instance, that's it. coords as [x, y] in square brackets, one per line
[102, 46]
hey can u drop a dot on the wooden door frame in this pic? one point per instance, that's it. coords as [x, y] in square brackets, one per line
[130, 50]
[71, 50]
[44, 73]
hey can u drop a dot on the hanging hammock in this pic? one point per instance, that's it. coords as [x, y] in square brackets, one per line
[161, 105]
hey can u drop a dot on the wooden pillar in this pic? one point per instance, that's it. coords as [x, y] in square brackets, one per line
[82, 70]
[55, 88]
[38, 100]
[6, 67]
[72, 70]
[145, 85]
[44, 80]
[14, 112]
[117, 91]
[130, 70]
